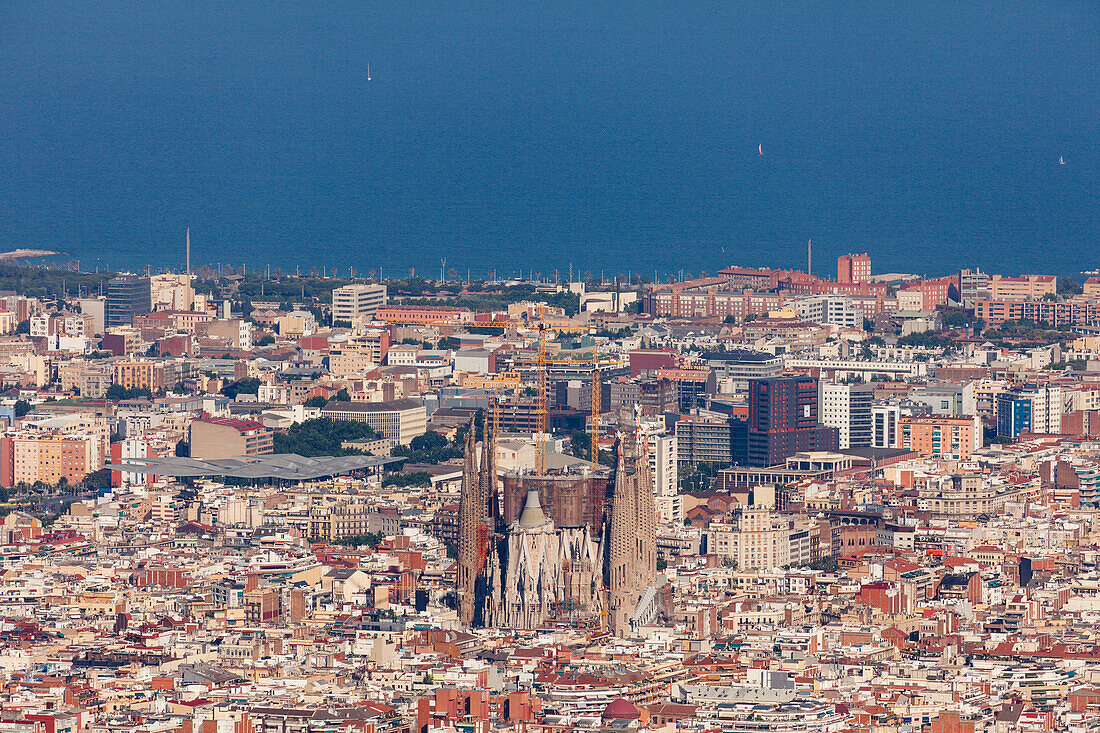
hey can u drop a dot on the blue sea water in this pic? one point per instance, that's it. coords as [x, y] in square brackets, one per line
[526, 135]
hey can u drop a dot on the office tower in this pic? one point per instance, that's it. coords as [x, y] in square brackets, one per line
[353, 301]
[127, 296]
[1030, 408]
[885, 425]
[783, 420]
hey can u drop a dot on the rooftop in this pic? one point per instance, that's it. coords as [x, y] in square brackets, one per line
[287, 466]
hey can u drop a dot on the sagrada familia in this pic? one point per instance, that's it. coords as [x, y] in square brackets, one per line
[518, 574]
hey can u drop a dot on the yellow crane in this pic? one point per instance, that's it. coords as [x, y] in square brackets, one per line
[542, 364]
[541, 384]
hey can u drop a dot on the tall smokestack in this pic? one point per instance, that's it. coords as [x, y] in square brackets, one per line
[188, 251]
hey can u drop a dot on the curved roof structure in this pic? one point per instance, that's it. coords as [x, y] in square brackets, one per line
[286, 466]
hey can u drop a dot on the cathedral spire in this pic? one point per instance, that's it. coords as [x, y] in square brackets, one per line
[487, 478]
[470, 512]
[632, 532]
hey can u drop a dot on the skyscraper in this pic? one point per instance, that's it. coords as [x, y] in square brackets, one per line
[127, 296]
[783, 420]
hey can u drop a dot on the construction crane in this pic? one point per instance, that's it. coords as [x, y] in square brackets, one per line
[541, 377]
[542, 387]
[597, 384]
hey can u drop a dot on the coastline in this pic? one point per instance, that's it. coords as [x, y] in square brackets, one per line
[20, 254]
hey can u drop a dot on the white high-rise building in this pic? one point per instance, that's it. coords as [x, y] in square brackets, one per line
[663, 467]
[1046, 409]
[847, 407]
[885, 426]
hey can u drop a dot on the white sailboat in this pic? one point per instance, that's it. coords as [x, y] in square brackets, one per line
[1061, 161]
[368, 72]
[760, 148]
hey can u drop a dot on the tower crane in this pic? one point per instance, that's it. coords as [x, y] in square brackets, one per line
[541, 363]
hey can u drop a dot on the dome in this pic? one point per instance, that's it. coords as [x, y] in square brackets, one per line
[620, 710]
[532, 515]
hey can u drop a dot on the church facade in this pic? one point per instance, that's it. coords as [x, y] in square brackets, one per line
[518, 574]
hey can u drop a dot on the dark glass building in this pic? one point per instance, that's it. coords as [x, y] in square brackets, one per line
[127, 296]
[783, 420]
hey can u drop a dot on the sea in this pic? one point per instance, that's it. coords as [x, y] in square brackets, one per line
[519, 137]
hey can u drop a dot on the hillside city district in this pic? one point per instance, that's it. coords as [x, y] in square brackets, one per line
[756, 501]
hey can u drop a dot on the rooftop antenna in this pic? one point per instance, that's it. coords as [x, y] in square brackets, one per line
[810, 256]
[188, 251]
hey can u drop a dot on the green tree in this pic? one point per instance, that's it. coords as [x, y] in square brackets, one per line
[1066, 286]
[118, 392]
[370, 539]
[250, 385]
[322, 437]
[417, 478]
[22, 407]
[98, 480]
[431, 447]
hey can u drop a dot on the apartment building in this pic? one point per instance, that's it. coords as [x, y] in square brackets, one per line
[853, 268]
[761, 539]
[830, 309]
[48, 457]
[138, 375]
[335, 521]
[1076, 311]
[848, 408]
[1024, 287]
[90, 379]
[941, 436]
[223, 437]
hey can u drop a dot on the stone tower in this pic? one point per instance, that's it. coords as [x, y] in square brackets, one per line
[631, 532]
[478, 513]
